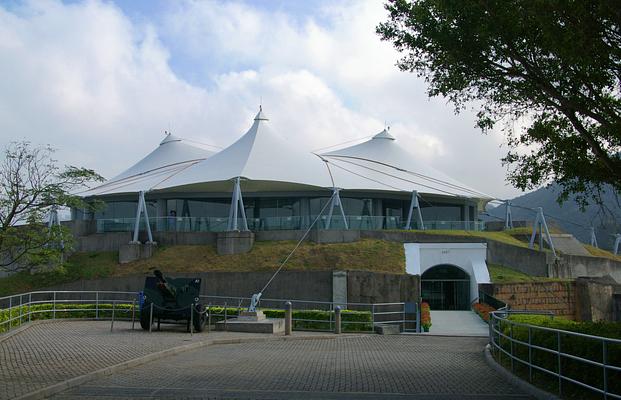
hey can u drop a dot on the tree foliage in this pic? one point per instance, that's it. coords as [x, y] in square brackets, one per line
[31, 186]
[552, 65]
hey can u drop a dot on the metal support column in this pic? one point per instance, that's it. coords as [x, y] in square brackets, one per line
[540, 222]
[336, 202]
[414, 204]
[615, 247]
[142, 209]
[55, 221]
[237, 205]
[593, 238]
[508, 216]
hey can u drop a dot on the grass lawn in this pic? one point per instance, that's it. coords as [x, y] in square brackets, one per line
[602, 253]
[501, 274]
[79, 266]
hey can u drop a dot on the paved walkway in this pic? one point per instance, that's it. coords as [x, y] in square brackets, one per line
[48, 353]
[360, 367]
[457, 323]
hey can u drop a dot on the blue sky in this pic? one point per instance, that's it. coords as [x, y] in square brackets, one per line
[102, 80]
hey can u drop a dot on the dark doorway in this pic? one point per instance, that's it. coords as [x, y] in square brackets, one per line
[446, 287]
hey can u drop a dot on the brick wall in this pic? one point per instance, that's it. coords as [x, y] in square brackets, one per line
[558, 297]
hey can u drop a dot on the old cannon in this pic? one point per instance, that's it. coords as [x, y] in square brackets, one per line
[171, 299]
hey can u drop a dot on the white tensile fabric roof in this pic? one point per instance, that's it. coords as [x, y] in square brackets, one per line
[266, 162]
[170, 157]
[263, 160]
[383, 164]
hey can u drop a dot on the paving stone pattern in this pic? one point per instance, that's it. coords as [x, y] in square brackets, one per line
[361, 367]
[48, 353]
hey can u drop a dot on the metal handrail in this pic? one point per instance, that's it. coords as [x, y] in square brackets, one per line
[25, 301]
[496, 333]
[63, 305]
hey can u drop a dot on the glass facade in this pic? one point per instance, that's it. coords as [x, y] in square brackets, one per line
[291, 212]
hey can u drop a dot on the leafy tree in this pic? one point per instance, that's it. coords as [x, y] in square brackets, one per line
[31, 186]
[551, 65]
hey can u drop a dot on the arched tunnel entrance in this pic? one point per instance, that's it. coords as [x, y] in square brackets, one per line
[446, 287]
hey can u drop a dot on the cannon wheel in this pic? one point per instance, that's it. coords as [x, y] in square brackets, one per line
[199, 319]
[145, 316]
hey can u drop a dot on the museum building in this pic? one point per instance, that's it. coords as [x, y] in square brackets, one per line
[264, 182]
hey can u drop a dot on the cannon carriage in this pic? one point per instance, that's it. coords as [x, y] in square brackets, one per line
[171, 300]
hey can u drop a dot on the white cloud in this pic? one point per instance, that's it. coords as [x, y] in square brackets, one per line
[87, 79]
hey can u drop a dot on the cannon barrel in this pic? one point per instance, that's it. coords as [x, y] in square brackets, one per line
[167, 290]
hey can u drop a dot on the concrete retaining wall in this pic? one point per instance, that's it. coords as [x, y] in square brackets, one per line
[569, 266]
[362, 287]
[531, 262]
[370, 287]
[102, 241]
[558, 297]
[595, 299]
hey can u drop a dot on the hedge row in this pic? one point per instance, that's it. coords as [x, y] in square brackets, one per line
[352, 321]
[590, 349]
[45, 311]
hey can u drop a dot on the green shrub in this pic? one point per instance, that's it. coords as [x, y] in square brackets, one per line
[63, 310]
[352, 321]
[590, 349]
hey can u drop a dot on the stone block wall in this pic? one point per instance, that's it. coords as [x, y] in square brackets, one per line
[558, 297]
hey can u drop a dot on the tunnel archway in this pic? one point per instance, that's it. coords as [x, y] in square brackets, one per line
[446, 287]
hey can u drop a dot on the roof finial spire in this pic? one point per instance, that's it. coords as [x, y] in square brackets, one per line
[260, 116]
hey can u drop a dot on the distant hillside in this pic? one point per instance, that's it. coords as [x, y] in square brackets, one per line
[606, 219]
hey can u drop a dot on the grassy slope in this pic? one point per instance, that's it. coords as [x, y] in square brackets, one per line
[369, 255]
[501, 274]
[602, 253]
[80, 266]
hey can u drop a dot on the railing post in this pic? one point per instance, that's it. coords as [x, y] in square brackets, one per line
[29, 305]
[511, 344]
[288, 316]
[490, 330]
[417, 317]
[20, 309]
[151, 319]
[403, 319]
[96, 305]
[54, 307]
[208, 318]
[10, 311]
[192, 319]
[112, 323]
[330, 316]
[530, 356]
[560, 379]
[133, 313]
[604, 360]
[225, 315]
[337, 320]
[372, 317]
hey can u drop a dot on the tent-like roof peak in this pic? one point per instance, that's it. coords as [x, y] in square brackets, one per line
[261, 115]
[170, 138]
[384, 135]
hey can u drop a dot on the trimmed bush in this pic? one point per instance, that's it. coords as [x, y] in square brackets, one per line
[319, 320]
[63, 310]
